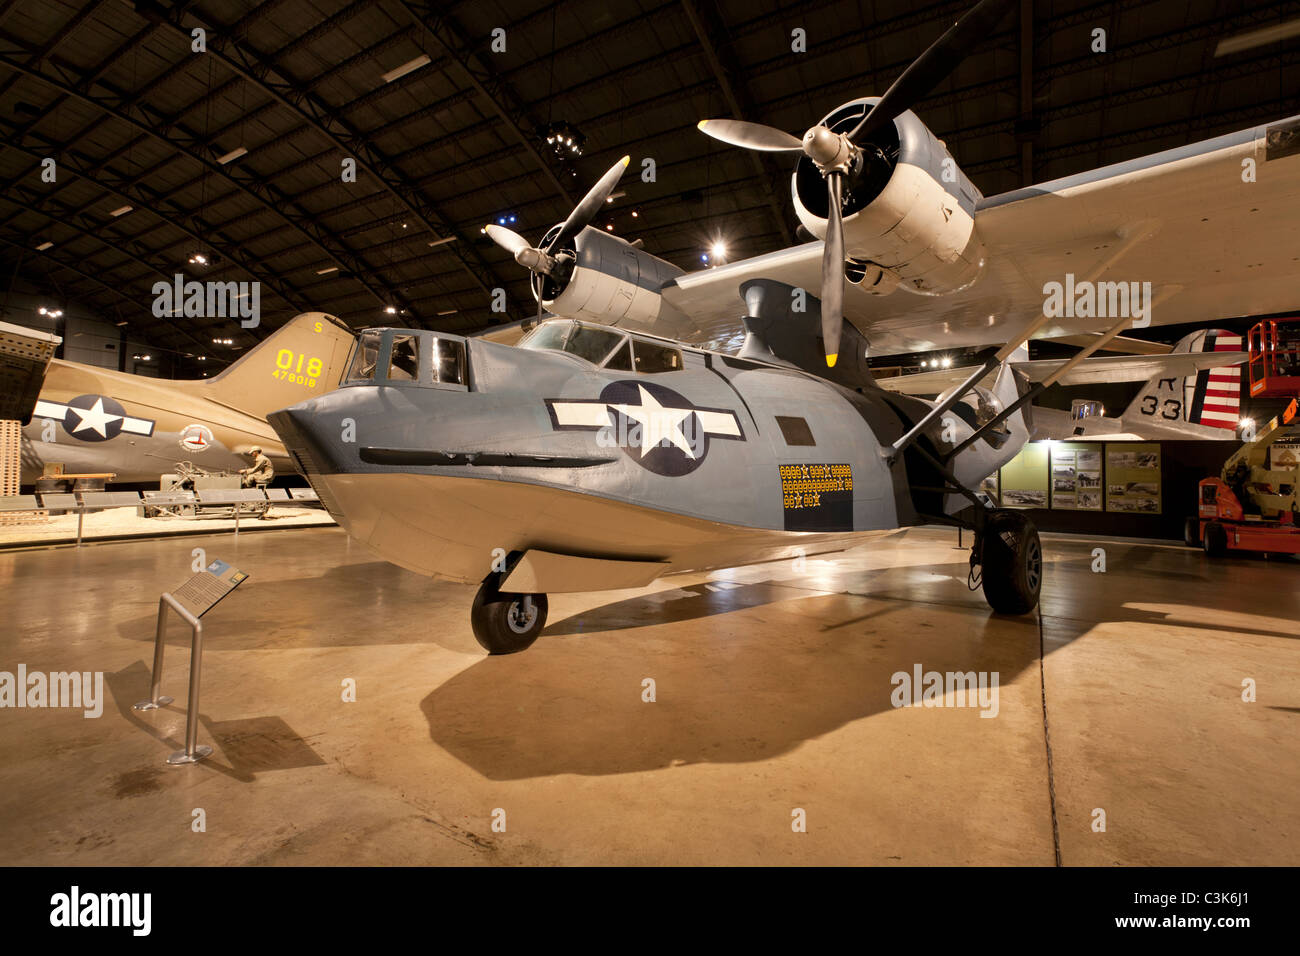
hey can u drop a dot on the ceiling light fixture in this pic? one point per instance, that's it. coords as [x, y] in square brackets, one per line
[564, 139]
[409, 67]
[1261, 37]
[120, 211]
[327, 270]
[233, 155]
[43, 246]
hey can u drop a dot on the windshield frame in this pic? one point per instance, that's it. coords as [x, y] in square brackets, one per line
[572, 326]
[424, 342]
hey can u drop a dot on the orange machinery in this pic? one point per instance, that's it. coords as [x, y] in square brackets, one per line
[1253, 505]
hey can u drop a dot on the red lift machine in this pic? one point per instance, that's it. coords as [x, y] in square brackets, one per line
[1253, 505]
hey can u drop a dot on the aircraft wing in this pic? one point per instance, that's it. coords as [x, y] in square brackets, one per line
[1211, 226]
[1108, 368]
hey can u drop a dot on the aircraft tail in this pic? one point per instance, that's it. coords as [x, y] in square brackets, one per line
[1211, 397]
[304, 358]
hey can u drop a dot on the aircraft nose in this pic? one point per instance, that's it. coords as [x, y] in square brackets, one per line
[298, 429]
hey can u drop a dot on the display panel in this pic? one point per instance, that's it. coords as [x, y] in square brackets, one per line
[1076, 476]
[1133, 477]
[1025, 478]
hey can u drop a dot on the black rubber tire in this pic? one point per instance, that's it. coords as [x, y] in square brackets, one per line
[1192, 532]
[1216, 540]
[502, 622]
[1012, 563]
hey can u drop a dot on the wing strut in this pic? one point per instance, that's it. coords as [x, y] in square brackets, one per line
[1130, 235]
[891, 452]
[1039, 387]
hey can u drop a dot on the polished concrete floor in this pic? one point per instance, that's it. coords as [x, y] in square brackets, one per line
[1121, 702]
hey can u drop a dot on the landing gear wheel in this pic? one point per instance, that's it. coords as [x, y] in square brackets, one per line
[506, 623]
[1216, 540]
[1012, 560]
[1192, 532]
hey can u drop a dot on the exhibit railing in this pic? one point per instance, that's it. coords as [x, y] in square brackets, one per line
[240, 502]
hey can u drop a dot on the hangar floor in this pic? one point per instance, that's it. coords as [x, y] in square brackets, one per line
[773, 693]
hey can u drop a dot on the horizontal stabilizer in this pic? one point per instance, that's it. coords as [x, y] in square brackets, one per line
[1091, 371]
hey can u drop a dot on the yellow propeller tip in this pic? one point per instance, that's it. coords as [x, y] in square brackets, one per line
[702, 123]
[830, 360]
[625, 160]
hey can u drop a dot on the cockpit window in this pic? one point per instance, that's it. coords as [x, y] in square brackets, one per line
[404, 362]
[652, 357]
[549, 335]
[621, 360]
[448, 361]
[364, 358]
[592, 344]
[585, 341]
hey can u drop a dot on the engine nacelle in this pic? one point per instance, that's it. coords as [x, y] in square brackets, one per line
[909, 212]
[606, 279]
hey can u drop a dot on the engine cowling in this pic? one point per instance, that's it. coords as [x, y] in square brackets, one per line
[606, 279]
[909, 212]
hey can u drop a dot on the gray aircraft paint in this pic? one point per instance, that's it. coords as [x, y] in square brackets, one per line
[505, 427]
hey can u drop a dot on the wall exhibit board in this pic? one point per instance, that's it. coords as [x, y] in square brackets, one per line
[1133, 477]
[1076, 476]
[1025, 478]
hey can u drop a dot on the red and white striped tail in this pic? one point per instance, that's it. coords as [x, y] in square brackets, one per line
[1213, 397]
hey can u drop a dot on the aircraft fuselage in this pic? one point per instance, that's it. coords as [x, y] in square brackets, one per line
[718, 462]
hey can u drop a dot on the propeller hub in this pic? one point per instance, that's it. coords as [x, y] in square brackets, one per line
[535, 260]
[832, 152]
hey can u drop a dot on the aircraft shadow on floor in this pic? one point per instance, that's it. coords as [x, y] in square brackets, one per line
[774, 668]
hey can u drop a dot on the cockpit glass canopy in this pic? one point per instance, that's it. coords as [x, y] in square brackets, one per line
[404, 356]
[601, 346]
[365, 358]
[403, 362]
[585, 341]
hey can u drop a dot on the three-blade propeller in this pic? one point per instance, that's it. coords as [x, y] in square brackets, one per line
[835, 154]
[541, 262]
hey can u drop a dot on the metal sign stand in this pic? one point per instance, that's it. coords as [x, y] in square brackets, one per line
[191, 601]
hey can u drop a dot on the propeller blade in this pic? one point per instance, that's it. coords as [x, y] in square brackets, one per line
[940, 59]
[833, 270]
[507, 239]
[586, 210]
[752, 136]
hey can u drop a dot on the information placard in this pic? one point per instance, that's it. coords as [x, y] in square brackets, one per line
[1076, 476]
[1133, 477]
[1025, 478]
[200, 594]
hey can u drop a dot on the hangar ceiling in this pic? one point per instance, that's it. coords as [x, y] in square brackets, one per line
[236, 153]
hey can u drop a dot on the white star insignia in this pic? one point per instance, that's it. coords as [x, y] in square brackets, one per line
[94, 417]
[658, 423]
